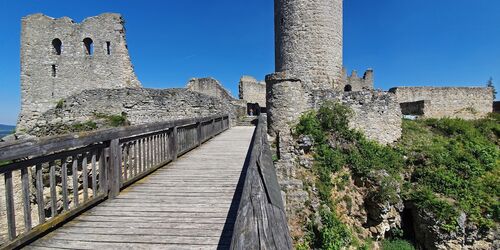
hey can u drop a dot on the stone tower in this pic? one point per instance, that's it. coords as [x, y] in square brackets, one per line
[60, 58]
[308, 40]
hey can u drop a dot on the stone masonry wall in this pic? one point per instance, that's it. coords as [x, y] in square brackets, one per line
[212, 87]
[140, 106]
[209, 86]
[308, 40]
[377, 114]
[457, 102]
[252, 91]
[56, 63]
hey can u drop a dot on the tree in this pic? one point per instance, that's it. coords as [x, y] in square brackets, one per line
[491, 85]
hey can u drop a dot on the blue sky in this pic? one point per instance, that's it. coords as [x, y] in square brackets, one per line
[407, 42]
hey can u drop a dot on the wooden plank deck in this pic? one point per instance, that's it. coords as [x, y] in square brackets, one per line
[189, 204]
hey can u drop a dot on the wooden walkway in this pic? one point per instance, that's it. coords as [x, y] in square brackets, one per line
[189, 204]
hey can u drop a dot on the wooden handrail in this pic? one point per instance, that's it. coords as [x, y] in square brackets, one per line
[47, 145]
[98, 164]
[261, 220]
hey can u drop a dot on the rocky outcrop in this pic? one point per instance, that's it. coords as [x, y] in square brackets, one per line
[429, 235]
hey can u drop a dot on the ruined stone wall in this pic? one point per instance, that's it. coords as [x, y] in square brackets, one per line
[252, 91]
[377, 114]
[60, 57]
[212, 87]
[308, 40]
[355, 83]
[457, 102]
[140, 106]
[209, 86]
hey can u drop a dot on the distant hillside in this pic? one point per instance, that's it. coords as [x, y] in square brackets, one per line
[5, 130]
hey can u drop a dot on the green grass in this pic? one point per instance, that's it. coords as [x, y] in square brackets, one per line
[456, 162]
[2, 163]
[114, 120]
[397, 245]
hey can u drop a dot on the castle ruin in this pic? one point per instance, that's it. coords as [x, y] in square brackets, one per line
[355, 83]
[60, 58]
[309, 71]
[308, 40]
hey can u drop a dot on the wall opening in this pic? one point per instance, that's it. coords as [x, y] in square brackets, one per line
[348, 88]
[108, 48]
[57, 45]
[89, 46]
[54, 70]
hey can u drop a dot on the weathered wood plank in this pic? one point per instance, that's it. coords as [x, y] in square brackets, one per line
[85, 178]
[75, 181]
[114, 170]
[39, 193]
[64, 183]
[94, 173]
[74, 244]
[259, 224]
[9, 202]
[26, 199]
[53, 194]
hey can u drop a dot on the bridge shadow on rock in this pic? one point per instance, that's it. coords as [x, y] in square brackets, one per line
[227, 232]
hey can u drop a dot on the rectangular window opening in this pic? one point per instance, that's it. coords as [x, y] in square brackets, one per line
[54, 70]
[108, 48]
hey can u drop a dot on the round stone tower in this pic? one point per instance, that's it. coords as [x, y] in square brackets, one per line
[308, 37]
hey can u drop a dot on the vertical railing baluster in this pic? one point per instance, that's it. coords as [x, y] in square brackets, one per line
[53, 194]
[174, 144]
[94, 173]
[64, 183]
[9, 202]
[125, 162]
[130, 160]
[39, 194]
[147, 150]
[153, 151]
[164, 142]
[85, 178]
[103, 183]
[75, 181]
[26, 199]
[136, 155]
[115, 167]
[140, 152]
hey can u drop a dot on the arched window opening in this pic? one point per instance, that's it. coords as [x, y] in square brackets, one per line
[54, 70]
[108, 48]
[57, 45]
[89, 46]
[348, 88]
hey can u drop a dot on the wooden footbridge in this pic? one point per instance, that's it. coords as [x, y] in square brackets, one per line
[186, 184]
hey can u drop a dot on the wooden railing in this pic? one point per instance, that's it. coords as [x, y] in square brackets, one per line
[261, 221]
[50, 180]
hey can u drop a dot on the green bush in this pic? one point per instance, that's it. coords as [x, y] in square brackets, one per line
[334, 234]
[60, 104]
[453, 164]
[114, 120]
[456, 159]
[396, 245]
[86, 126]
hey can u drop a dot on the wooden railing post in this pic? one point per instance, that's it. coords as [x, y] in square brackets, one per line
[114, 168]
[199, 132]
[9, 195]
[212, 134]
[174, 144]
